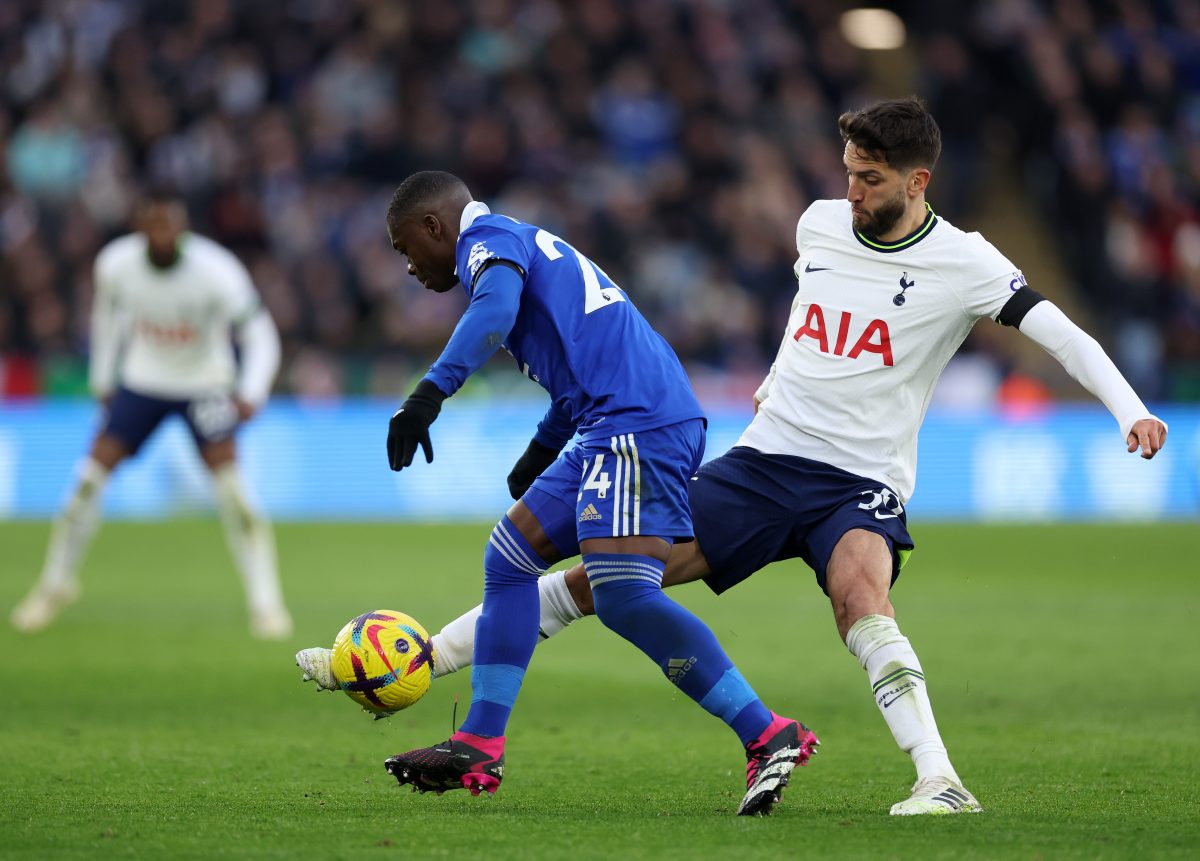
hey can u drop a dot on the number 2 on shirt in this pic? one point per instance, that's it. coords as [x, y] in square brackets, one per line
[594, 296]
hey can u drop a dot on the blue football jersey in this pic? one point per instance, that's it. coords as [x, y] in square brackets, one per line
[578, 335]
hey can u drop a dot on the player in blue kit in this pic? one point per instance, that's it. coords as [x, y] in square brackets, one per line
[619, 495]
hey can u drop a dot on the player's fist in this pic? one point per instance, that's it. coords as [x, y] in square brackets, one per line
[1147, 434]
[245, 409]
[529, 466]
[409, 427]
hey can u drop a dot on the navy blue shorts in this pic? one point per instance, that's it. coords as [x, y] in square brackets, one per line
[133, 417]
[751, 509]
[628, 484]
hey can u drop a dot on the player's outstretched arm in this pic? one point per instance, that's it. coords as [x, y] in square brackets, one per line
[479, 333]
[260, 353]
[1086, 361]
[106, 333]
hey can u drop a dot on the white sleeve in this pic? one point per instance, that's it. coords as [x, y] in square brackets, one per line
[253, 327]
[259, 341]
[1086, 361]
[106, 330]
[988, 279]
[764, 390]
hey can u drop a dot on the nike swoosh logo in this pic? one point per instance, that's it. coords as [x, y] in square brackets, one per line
[887, 703]
[881, 516]
[373, 636]
[808, 267]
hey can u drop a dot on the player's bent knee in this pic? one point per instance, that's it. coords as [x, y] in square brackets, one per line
[219, 454]
[524, 521]
[108, 451]
[509, 558]
[581, 591]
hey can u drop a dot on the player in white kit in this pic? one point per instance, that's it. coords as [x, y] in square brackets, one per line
[887, 293]
[166, 302]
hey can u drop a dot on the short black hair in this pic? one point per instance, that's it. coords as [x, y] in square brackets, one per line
[422, 190]
[899, 132]
[162, 193]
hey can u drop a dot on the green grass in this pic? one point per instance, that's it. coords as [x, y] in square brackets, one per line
[1063, 664]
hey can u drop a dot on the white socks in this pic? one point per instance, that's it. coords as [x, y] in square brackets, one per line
[557, 604]
[898, 684]
[248, 533]
[454, 645]
[74, 528]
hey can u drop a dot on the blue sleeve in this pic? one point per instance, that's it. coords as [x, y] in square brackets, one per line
[555, 429]
[481, 329]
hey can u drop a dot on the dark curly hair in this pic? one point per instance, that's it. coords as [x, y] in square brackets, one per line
[899, 132]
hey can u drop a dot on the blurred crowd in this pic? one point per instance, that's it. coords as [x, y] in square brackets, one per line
[673, 142]
[1103, 107]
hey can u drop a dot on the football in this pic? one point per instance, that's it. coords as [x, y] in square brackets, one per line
[383, 660]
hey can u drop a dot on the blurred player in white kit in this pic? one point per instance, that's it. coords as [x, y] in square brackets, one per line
[166, 302]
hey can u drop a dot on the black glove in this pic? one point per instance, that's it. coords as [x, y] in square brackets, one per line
[529, 466]
[409, 427]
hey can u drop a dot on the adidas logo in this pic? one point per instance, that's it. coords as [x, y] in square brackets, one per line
[677, 668]
[590, 513]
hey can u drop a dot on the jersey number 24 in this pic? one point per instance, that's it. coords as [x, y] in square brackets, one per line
[595, 296]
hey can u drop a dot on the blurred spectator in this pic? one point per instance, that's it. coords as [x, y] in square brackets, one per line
[1113, 109]
[678, 141]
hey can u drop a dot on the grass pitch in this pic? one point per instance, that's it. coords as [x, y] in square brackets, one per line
[1062, 661]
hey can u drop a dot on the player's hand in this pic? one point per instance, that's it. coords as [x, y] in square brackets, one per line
[529, 466]
[1149, 435]
[245, 409]
[409, 427]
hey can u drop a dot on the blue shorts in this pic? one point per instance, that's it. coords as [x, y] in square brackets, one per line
[132, 417]
[752, 509]
[629, 484]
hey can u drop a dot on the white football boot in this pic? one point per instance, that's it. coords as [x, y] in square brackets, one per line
[273, 624]
[316, 663]
[937, 796]
[42, 606]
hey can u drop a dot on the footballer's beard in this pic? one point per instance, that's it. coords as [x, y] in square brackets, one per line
[884, 218]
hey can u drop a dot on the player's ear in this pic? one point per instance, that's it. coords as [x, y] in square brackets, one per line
[918, 181]
[433, 225]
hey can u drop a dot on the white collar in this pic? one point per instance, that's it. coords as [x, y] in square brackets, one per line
[470, 212]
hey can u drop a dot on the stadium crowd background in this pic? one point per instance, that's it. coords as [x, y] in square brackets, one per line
[675, 143]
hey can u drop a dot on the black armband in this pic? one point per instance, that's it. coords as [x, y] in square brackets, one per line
[1018, 306]
[496, 261]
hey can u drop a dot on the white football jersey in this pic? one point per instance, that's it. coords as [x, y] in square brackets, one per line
[166, 332]
[870, 331]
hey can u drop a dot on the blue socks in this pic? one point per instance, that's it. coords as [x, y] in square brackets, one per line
[627, 591]
[507, 632]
